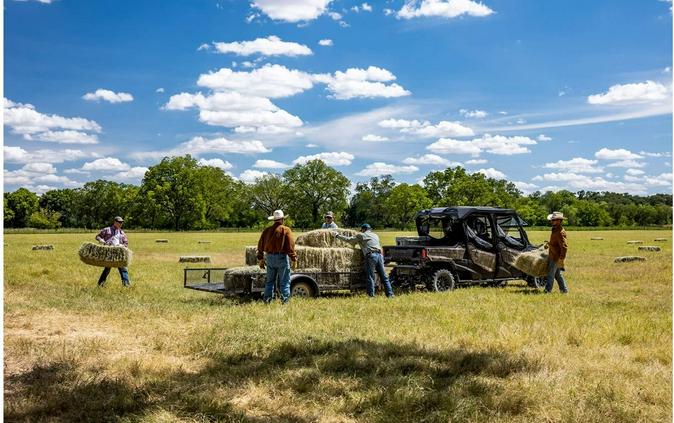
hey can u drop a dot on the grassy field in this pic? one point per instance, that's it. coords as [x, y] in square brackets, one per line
[159, 353]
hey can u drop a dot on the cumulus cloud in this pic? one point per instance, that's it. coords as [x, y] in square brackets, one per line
[430, 159]
[106, 164]
[224, 165]
[270, 164]
[381, 168]
[36, 173]
[661, 180]
[450, 146]
[109, 96]
[576, 181]
[643, 92]
[330, 159]
[292, 10]
[374, 138]
[525, 187]
[476, 161]
[362, 83]
[443, 9]
[326, 42]
[133, 174]
[198, 146]
[159, 90]
[477, 114]
[492, 173]
[19, 155]
[617, 154]
[270, 46]
[543, 138]
[627, 163]
[251, 175]
[39, 168]
[270, 81]
[25, 120]
[634, 172]
[576, 165]
[426, 129]
[493, 144]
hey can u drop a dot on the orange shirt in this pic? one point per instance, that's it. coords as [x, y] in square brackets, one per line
[277, 238]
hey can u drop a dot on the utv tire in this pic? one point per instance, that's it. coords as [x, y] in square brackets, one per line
[302, 289]
[536, 282]
[442, 280]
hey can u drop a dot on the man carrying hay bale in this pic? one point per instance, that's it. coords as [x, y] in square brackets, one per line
[329, 221]
[557, 248]
[274, 251]
[114, 235]
[371, 248]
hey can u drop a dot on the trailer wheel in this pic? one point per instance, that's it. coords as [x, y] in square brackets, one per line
[442, 280]
[536, 282]
[302, 289]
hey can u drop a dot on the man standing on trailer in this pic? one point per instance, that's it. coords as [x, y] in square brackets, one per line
[329, 221]
[114, 235]
[275, 250]
[557, 248]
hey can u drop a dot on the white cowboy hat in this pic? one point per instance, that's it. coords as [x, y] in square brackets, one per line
[278, 214]
[556, 216]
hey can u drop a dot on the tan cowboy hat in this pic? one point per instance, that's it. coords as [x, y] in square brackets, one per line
[278, 215]
[556, 216]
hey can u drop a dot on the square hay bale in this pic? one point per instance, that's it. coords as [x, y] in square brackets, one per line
[204, 242]
[533, 263]
[43, 247]
[596, 238]
[329, 259]
[649, 248]
[323, 238]
[627, 259]
[635, 242]
[251, 256]
[162, 241]
[105, 255]
[194, 259]
[660, 239]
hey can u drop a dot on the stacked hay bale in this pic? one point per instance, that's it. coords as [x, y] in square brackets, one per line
[105, 255]
[43, 247]
[533, 262]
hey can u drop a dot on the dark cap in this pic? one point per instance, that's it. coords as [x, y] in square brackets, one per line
[366, 226]
[119, 219]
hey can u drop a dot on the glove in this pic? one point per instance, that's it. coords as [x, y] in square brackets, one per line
[261, 263]
[334, 233]
[293, 264]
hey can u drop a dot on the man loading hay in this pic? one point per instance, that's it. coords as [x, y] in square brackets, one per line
[329, 221]
[114, 235]
[371, 248]
[557, 248]
[274, 251]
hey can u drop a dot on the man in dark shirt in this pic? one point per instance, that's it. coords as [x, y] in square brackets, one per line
[275, 250]
[556, 253]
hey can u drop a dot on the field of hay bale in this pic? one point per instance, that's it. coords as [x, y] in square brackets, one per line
[156, 352]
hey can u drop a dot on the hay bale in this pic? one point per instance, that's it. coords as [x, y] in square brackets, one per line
[329, 259]
[251, 256]
[204, 242]
[244, 270]
[649, 248]
[626, 259]
[596, 238]
[324, 238]
[105, 255]
[533, 263]
[163, 241]
[195, 259]
[660, 239]
[635, 242]
[43, 247]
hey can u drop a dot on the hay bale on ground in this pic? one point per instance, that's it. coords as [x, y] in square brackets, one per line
[596, 238]
[163, 241]
[627, 259]
[324, 238]
[105, 255]
[533, 263]
[251, 256]
[204, 242]
[660, 239]
[649, 248]
[195, 259]
[42, 247]
[635, 242]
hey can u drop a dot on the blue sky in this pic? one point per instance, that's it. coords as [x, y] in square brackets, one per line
[552, 95]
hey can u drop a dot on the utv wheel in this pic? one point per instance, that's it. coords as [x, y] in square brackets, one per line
[302, 289]
[442, 280]
[535, 282]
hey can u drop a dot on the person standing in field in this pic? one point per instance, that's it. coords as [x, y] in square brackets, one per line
[275, 250]
[329, 221]
[374, 262]
[114, 235]
[557, 248]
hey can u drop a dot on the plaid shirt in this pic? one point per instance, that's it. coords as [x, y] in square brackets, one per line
[108, 232]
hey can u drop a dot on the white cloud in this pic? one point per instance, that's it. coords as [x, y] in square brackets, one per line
[617, 154]
[366, 7]
[450, 146]
[270, 164]
[430, 159]
[292, 10]
[224, 165]
[426, 129]
[19, 155]
[159, 90]
[39, 168]
[662, 180]
[374, 138]
[443, 9]
[492, 173]
[476, 161]
[270, 81]
[649, 154]
[326, 42]
[250, 176]
[627, 163]
[576, 165]
[388, 12]
[494, 144]
[478, 114]
[575, 181]
[24, 120]
[335, 16]
[109, 96]
[270, 46]
[380, 168]
[106, 164]
[543, 138]
[634, 172]
[642, 92]
[330, 159]
[198, 146]
[133, 174]
[525, 187]
[311, 145]
[76, 172]
[361, 83]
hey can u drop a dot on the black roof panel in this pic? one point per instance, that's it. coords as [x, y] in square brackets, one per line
[463, 211]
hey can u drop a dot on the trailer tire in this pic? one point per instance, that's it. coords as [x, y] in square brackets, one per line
[442, 280]
[302, 288]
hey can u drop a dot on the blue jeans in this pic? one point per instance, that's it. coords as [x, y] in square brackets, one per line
[123, 273]
[555, 273]
[278, 267]
[375, 262]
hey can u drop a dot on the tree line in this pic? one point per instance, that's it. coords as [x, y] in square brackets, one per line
[180, 194]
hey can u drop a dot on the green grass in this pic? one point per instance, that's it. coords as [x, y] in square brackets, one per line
[159, 353]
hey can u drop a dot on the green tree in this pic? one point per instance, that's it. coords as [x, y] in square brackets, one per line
[456, 187]
[8, 213]
[368, 202]
[215, 189]
[315, 188]
[97, 202]
[554, 201]
[44, 219]
[269, 193]
[404, 202]
[61, 201]
[23, 203]
[591, 214]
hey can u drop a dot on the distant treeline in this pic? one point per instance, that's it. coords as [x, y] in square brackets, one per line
[180, 194]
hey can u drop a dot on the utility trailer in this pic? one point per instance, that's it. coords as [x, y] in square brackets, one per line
[302, 284]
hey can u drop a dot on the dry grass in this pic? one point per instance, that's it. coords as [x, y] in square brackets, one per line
[159, 353]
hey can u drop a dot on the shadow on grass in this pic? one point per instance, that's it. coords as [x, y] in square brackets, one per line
[360, 379]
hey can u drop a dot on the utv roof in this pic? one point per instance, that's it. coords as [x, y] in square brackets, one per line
[460, 212]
